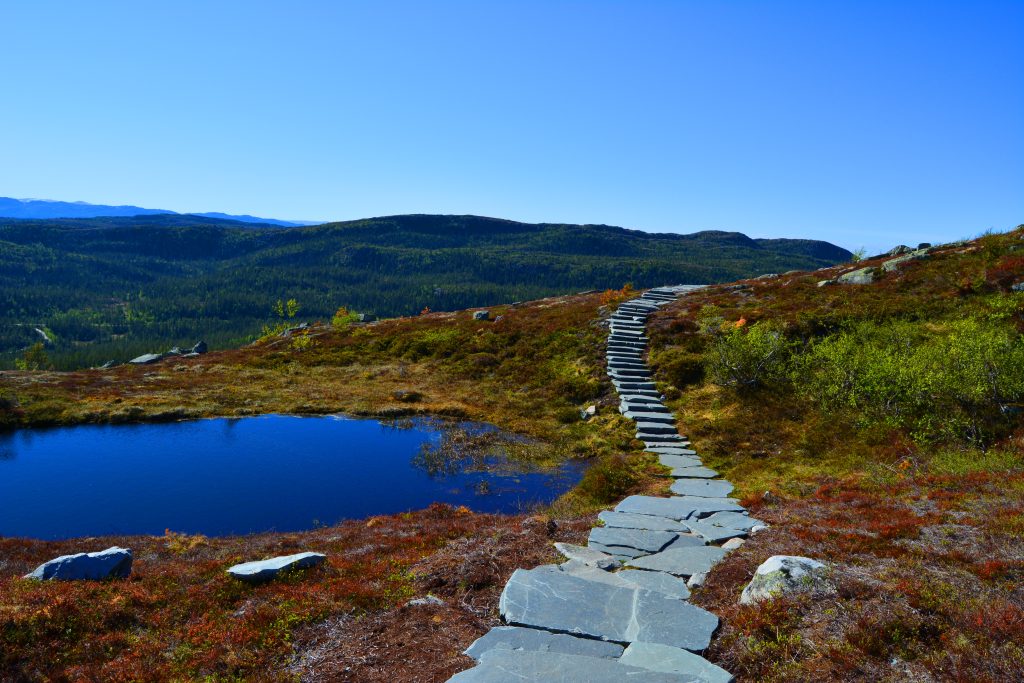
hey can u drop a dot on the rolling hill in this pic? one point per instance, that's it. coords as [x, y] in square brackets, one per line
[113, 287]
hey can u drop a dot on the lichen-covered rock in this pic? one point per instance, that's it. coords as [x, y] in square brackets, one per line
[863, 276]
[782, 575]
[114, 562]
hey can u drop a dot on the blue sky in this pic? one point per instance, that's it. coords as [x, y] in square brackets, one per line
[864, 123]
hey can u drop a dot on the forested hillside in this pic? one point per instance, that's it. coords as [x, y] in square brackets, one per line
[111, 288]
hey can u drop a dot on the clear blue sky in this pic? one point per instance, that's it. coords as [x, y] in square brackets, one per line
[864, 123]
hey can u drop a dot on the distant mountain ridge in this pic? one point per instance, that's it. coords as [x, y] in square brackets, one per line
[46, 208]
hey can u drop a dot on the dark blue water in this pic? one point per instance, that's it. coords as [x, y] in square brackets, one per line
[233, 476]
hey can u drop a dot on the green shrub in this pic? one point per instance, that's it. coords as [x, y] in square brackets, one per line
[743, 356]
[681, 367]
[960, 383]
[610, 479]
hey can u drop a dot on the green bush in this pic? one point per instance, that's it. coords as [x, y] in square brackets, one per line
[681, 367]
[741, 356]
[610, 479]
[960, 383]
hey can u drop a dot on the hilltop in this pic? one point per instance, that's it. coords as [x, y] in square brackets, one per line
[48, 208]
[162, 280]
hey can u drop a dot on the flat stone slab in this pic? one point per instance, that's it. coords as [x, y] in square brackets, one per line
[733, 520]
[705, 488]
[668, 659]
[681, 561]
[678, 461]
[656, 428]
[586, 555]
[706, 506]
[673, 508]
[687, 540]
[641, 539]
[661, 418]
[634, 521]
[693, 473]
[619, 552]
[536, 640]
[114, 562]
[656, 440]
[672, 450]
[549, 598]
[712, 533]
[523, 666]
[266, 570]
[656, 581]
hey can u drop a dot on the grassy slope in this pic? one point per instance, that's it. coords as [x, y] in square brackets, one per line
[928, 554]
[926, 539]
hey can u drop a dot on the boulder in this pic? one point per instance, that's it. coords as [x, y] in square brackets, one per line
[481, 315]
[200, 347]
[366, 317]
[428, 601]
[266, 570]
[863, 276]
[146, 359]
[588, 412]
[784, 574]
[109, 364]
[1018, 286]
[733, 543]
[114, 562]
[898, 249]
[825, 283]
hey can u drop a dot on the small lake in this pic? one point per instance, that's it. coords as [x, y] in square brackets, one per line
[235, 476]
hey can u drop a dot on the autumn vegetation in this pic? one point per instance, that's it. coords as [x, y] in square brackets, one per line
[876, 427]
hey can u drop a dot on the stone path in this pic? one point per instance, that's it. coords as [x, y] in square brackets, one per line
[617, 609]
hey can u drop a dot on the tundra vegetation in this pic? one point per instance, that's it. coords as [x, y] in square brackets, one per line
[875, 426]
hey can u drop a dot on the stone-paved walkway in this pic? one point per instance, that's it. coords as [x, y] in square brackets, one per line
[617, 609]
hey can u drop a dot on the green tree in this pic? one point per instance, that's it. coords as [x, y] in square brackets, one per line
[35, 358]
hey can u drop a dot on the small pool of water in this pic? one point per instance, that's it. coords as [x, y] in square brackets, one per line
[234, 476]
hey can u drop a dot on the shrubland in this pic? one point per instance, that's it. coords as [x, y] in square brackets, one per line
[878, 427]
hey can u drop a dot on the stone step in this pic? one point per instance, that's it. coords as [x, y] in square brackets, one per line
[660, 418]
[681, 561]
[668, 659]
[548, 598]
[629, 520]
[693, 473]
[637, 539]
[705, 488]
[679, 461]
[546, 667]
[655, 428]
[640, 396]
[672, 450]
[537, 640]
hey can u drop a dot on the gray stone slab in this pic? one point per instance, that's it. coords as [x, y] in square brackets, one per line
[672, 508]
[621, 553]
[694, 473]
[536, 640]
[548, 598]
[672, 450]
[656, 440]
[677, 461]
[668, 659]
[707, 506]
[265, 570]
[114, 562]
[658, 418]
[688, 540]
[587, 555]
[641, 539]
[626, 520]
[732, 520]
[656, 428]
[680, 561]
[712, 533]
[705, 488]
[524, 666]
[656, 581]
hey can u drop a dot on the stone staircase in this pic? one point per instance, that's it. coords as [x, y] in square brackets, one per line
[618, 608]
